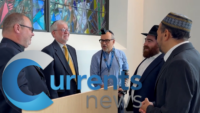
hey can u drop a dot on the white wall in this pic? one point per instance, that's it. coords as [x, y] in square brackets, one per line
[134, 38]
[156, 10]
[126, 21]
[118, 20]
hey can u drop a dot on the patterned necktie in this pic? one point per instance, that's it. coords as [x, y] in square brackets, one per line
[69, 60]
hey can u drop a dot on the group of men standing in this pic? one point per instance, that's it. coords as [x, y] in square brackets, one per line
[171, 80]
[17, 32]
[170, 72]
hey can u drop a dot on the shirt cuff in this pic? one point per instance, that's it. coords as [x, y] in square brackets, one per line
[149, 109]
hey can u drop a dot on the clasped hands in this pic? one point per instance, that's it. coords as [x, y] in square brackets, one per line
[144, 106]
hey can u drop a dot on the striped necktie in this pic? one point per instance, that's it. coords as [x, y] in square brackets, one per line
[69, 60]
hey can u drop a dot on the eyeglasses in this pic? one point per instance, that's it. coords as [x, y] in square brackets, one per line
[63, 30]
[106, 40]
[31, 28]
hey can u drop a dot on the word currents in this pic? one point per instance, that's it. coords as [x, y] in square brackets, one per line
[97, 81]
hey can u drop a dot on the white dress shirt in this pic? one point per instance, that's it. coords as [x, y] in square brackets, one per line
[172, 49]
[142, 68]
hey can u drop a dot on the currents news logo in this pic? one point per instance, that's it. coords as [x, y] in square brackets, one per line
[9, 80]
[41, 101]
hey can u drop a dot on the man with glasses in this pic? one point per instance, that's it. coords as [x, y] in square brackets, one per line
[65, 60]
[109, 61]
[17, 32]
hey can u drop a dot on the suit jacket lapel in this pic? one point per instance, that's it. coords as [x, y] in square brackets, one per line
[40, 73]
[73, 56]
[61, 57]
[151, 67]
[136, 71]
[139, 66]
[179, 49]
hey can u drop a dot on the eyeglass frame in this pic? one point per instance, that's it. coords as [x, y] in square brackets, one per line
[31, 28]
[63, 30]
[101, 41]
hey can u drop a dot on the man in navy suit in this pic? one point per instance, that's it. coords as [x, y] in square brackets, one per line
[148, 69]
[65, 60]
[17, 33]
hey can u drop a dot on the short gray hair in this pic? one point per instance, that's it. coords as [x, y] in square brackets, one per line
[112, 37]
[56, 23]
[11, 20]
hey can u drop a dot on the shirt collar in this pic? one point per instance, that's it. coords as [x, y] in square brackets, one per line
[172, 49]
[155, 56]
[61, 45]
[22, 47]
[18, 46]
[113, 50]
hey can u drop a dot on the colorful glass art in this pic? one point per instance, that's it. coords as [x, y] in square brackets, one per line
[34, 9]
[82, 16]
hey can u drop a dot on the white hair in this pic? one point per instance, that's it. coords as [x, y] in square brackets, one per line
[112, 37]
[56, 23]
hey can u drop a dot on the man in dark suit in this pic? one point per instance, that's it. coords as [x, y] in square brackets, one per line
[178, 83]
[17, 33]
[65, 60]
[148, 69]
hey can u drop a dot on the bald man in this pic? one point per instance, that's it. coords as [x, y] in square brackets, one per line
[109, 61]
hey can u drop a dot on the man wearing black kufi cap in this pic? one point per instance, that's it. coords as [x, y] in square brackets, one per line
[178, 83]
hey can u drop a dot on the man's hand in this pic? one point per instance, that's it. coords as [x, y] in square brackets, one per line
[141, 111]
[119, 94]
[144, 106]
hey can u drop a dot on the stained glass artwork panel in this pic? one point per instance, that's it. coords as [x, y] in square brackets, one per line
[33, 9]
[82, 16]
[38, 13]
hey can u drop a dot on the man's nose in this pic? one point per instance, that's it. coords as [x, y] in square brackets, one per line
[145, 43]
[104, 42]
[33, 34]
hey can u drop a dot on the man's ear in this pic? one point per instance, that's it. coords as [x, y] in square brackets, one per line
[113, 41]
[17, 28]
[53, 33]
[167, 35]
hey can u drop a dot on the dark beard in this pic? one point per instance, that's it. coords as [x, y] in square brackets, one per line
[151, 52]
